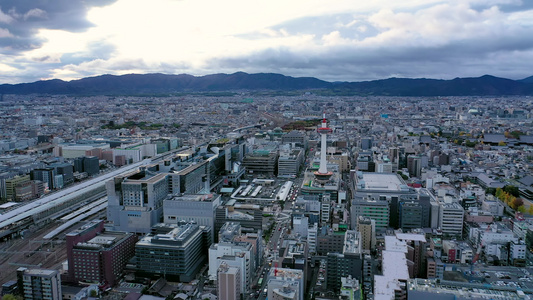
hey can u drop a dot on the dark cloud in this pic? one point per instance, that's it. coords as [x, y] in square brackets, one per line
[348, 25]
[23, 18]
[468, 57]
[511, 7]
[96, 50]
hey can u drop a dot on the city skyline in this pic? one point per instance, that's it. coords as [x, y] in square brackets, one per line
[333, 41]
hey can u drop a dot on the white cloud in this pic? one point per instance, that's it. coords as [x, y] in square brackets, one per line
[203, 36]
[5, 33]
[35, 13]
[5, 18]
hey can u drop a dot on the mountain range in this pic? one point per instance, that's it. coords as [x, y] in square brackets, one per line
[144, 84]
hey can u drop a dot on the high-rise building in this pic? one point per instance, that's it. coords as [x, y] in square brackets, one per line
[178, 254]
[136, 200]
[378, 196]
[451, 215]
[377, 210]
[228, 282]
[46, 175]
[290, 162]
[39, 284]
[66, 170]
[262, 162]
[298, 138]
[237, 254]
[88, 164]
[366, 143]
[286, 284]
[97, 256]
[312, 235]
[198, 208]
[347, 263]
[367, 228]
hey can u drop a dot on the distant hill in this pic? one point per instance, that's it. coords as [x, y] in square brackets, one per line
[137, 84]
[481, 86]
[527, 80]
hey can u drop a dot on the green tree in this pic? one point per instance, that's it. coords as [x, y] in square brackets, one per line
[530, 210]
[511, 189]
[499, 193]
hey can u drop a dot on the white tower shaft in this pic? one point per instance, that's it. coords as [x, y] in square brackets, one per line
[323, 162]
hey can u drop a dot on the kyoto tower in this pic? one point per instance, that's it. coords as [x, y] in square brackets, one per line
[322, 175]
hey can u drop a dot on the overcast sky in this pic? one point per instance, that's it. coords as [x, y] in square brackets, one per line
[334, 40]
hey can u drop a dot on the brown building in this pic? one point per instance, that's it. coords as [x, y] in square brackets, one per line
[98, 256]
[229, 282]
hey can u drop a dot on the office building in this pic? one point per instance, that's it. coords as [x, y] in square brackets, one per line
[39, 284]
[286, 284]
[296, 138]
[237, 254]
[378, 196]
[46, 175]
[198, 208]
[350, 288]
[177, 255]
[367, 229]
[136, 200]
[312, 235]
[249, 216]
[66, 170]
[451, 215]
[87, 164]
[390, 285]
[261, 162]
[290, 161]
[279, 289]
[377, 210]
[11, 184]
[366, 143]
[228, 282]
[329, 241]
[347, 263]
[29, 190]
[229, 231]
[294, 255]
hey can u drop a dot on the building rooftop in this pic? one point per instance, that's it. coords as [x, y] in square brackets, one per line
[178, 235]
[352, 243]
[380, 181]
[286, 273]
[411, 237]
[102, 241]
[461, 290]
[394, 269]
[40, 272]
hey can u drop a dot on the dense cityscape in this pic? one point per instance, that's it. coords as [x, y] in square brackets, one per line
[265, 196]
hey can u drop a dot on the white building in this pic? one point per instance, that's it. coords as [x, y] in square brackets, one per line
[300, 224]
[451, 215]
[235, 254]
[312, 234]
[278, 278]
[518, 250]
